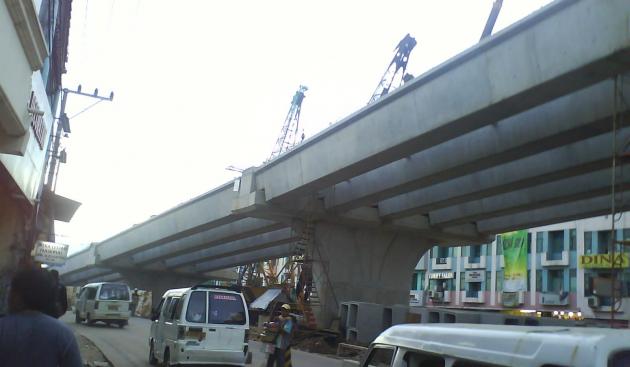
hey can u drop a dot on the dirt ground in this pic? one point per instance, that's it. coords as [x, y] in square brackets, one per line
[91, 355]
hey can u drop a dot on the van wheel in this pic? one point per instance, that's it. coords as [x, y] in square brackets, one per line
[89, 320]
[167, 359]
[121, 324]
[77, 318]
[152, 360]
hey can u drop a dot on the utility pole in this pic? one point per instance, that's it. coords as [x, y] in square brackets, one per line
[63, 125]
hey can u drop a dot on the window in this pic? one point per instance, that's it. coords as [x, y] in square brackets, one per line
[114, 292]
[529, 243]
[488, 280]
[538, 280]
[603, 242]
[170, 311]
[226, 308]
[488, 249]
[573, 280]
[414, 281]
[539, 242]
[588, 283]
[572, 241]
[178, 309]
[529, 273]
[417, 359]
[443, 252]
[473, 289]
[588, 243]
[380, 357]
[499, 280]
[620, 359]
[475, 254]
[91, 293]
[556, 245]
[499, 246]
[196, 311]
[165, 307]
[421, 280]
[555, 280]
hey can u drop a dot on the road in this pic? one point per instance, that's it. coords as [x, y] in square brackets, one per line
[128, 347]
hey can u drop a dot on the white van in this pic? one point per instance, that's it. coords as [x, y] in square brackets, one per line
[474, 345]
[106, 302]
[200, 325]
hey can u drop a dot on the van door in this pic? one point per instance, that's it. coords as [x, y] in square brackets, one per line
[80, 303]
[159, 334]
[228, 316]
[90, 297]
[170, 322]
[114, 299]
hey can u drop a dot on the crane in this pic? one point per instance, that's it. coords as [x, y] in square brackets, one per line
[291, 127]
[392, 77]
[492, 19]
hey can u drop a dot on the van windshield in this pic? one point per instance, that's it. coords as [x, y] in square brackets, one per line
[114, 292]
[226, 308]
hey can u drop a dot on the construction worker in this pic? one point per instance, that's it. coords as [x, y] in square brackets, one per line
[285, 328]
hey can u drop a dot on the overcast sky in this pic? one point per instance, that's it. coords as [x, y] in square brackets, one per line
[202, 85]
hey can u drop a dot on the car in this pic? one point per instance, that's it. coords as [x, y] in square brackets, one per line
[200, 325]
[106, 302]
[474, 345]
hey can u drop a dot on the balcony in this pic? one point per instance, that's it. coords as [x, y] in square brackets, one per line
[474, 262]
[555, 258]
[441, 263]
[473, 296]
[440, 297]
[554, 299]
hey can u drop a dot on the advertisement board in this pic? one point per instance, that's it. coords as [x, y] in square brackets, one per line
[604, 261]
[515, 257]
[50, 253]
[473, 276]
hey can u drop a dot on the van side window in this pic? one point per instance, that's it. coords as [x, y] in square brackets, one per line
[620, 359]
[165, 307]
[91, 293]
[172, 308]
[196, 311]
[178, 309]
[380, 357]
[478, 364]
[417, 359]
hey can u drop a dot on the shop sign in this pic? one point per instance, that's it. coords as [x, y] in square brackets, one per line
[442, 275]
[473, 276]
[604, 261]
[50, 253]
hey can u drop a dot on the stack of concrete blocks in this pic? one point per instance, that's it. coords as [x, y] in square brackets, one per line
[362, 321]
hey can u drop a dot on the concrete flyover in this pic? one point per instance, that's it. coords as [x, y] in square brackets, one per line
[513, 132]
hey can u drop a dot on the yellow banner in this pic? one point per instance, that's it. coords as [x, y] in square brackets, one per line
[604, 261]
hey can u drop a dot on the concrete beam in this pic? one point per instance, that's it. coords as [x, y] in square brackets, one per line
[197, 215]
[557, 192]
[248, 258]
[586, 208]
[567, 161]
[80, 278]
[261, 241]
[78, 261]
[517, 69]
[242, 228]
[571, 118]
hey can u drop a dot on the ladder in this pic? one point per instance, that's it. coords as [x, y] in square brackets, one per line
[309, 298]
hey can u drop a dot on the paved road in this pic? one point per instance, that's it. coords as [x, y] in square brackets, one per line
[128, 347]
[123, 347]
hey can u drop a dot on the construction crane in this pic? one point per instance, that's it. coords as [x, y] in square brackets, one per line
[290, 132]
[492, 19]
[395, 74]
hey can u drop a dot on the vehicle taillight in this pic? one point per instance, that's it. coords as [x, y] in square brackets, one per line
[181, 332]
[96, 304]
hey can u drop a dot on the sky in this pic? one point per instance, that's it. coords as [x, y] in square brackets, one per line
[203, 85]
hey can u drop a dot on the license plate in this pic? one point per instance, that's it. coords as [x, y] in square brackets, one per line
[112, 308]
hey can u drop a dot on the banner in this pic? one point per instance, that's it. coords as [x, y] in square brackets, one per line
[50, 253]
[604, 261]
[515, 259]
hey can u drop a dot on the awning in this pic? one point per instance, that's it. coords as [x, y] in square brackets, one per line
[262, 302]
[61, 208]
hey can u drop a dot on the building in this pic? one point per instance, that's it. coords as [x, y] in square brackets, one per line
[33, 54]
[565, 263]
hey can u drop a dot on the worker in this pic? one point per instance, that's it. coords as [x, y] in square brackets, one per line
[285, 329]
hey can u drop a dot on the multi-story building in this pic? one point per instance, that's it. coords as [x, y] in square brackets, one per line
[565, 264]
[33, 53]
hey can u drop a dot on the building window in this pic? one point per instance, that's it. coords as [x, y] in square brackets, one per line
[573, 280]
[499, 246]
[556, 245]
[488, 280]
[555, 280]
[572, 240]
[475, 254]
[603, 242]
[414, 282]
[539, 242]
[499, 280]
[488, 249]
[588, 283]
[473, 289]
[529, 273]
[588, 243]
[538, 280]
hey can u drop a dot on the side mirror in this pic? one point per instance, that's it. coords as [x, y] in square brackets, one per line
[155, 315]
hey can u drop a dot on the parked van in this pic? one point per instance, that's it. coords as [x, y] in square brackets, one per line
[468, 345]
[200, 325]
[106, 302]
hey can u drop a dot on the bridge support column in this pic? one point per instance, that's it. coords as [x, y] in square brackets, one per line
[158, 282]
[367, 265]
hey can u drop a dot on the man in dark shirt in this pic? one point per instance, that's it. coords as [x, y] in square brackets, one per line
[61, 296]
[28, 336]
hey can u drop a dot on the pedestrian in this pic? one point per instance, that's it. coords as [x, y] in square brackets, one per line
[61, 297]
[282, 352]
[30, 337]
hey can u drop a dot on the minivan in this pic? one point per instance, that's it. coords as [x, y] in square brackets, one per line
[106, 302]
[475, 345]
[200, 325]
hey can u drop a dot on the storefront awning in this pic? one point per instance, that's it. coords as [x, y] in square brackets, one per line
[61, 208]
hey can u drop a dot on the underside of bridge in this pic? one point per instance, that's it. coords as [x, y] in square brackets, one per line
[514, 133]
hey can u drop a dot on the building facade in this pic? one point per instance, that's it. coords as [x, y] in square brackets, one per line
[33, 54]
[567, 264]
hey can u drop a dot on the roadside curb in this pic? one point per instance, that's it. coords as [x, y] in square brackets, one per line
[96, 345]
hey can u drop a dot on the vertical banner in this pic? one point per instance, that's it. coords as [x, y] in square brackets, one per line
[515, 258]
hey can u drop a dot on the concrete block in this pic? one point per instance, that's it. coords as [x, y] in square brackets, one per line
[394, 315]
[460, 317]
[365, 322]
[492, 318]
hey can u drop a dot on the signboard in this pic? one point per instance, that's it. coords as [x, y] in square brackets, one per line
[604, 261]
[50, 253]
[515, 257]
[473, 276]
[442, 275]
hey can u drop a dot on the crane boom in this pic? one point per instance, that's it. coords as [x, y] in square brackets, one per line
[291, 127]
[392, 77]
[492, 19]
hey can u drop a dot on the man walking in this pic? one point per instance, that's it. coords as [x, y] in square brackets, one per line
[61, 297]
[282, 353]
